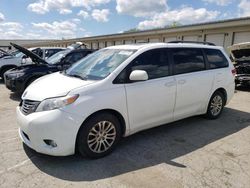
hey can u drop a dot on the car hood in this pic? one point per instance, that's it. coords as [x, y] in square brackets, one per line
[239, 51]
[53, 85]
[35, 58]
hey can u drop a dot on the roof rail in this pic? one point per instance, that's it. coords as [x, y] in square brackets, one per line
[194, 42]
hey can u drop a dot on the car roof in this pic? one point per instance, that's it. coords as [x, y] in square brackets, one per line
[164, 45]
[82, 50]
[46, 48]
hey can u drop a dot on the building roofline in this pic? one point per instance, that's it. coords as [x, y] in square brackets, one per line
[198, 26]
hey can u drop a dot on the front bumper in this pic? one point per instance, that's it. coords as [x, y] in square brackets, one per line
[56, 125]
[13, 84]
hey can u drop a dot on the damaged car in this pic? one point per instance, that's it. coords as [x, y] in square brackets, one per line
[13, 60]
[19, 78]
[240, 55]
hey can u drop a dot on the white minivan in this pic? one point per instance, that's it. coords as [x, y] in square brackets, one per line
[120, 90]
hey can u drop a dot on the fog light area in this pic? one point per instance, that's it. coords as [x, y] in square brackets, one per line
[51, 143]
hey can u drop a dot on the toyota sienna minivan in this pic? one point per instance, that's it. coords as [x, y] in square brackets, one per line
[120, 90]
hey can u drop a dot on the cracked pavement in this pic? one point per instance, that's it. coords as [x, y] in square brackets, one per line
[194, 152]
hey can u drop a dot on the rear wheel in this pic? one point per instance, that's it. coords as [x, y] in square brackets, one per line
[216, 105]
[99, 135]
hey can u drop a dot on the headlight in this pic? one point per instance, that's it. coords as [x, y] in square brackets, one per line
[16, 75]
[55, 103]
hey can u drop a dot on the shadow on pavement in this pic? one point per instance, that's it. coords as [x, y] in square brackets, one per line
[15, 96]
[145, 149]
[243, 88]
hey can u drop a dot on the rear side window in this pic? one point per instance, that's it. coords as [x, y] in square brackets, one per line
[154, 62]
[216, 59]
[188, 60]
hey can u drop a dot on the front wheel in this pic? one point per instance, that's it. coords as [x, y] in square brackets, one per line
[216, 105]
[99, 135]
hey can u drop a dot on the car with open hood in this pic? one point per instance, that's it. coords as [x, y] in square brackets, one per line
[19, 58]
[240, 55]
[17, 79]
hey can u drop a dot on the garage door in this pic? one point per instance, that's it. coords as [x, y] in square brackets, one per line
[241, 37]
[118, 42]
[129, 41]
[109, 43]
[217, 39]
[101, 45]
[94, 45]
[154, 40]
[190, 38]
[142, 41]
[168, 39]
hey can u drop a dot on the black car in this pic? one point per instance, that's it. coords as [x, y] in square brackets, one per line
[19, 78]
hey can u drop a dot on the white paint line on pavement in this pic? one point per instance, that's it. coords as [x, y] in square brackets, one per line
[18, 165]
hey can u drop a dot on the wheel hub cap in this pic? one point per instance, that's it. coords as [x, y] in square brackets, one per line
[216, 105]
[101, 137]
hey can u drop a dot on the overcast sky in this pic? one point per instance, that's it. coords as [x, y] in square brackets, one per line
[42, 19]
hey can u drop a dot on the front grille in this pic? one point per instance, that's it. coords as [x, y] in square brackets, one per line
[28, 106]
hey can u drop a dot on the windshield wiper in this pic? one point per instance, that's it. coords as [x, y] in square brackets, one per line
[77, 76]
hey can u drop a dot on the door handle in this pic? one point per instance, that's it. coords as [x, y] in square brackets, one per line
[170, 84]
[181, 82]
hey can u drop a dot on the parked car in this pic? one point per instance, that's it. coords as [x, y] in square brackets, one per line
[10, 62]
[4, 53]
[17, 79]
[120, 90]
[240, 54]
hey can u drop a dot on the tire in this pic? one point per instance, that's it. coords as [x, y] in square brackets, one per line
[215, 105]
[92, 137]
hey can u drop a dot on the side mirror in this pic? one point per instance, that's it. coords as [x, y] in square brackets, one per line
[138, 75]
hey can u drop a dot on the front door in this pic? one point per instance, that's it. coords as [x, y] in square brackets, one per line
[151, 103]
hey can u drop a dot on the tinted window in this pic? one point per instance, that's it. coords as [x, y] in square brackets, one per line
[38, 52]
[154, 62]
[74, 57]
[50, 52]
[188, 60]
[216, 59]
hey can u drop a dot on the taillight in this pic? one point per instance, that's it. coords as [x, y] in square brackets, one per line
[234, 72]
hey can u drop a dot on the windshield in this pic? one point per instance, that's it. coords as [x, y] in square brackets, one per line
[19, 54]
[100, 64]
[56, 58]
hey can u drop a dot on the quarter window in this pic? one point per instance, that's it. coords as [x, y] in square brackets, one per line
[188, 60]
[154, 62]
[216, 59]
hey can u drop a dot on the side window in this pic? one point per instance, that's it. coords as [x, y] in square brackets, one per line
[188, 60]
[73, 57]
[50, 52]
[154, 62]
[216, 59]
[38, 52]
